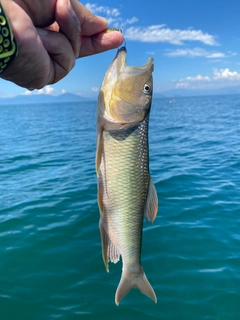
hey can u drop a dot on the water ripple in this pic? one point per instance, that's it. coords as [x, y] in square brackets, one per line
[51, 264]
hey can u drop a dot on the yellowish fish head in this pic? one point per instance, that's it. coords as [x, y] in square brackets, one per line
[126, 92]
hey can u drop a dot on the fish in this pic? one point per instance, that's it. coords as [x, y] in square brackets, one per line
[126, 193]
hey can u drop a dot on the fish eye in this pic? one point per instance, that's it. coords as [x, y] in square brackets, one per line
[147, 88]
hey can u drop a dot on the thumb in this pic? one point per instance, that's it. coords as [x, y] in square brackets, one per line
[62, 58]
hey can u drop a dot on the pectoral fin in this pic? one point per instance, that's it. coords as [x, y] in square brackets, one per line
[99, 148]
[151, 207]
[100, 196]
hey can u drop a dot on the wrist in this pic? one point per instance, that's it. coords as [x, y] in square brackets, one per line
[8, 45]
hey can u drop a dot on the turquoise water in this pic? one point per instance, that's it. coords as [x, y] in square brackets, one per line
[51, 265]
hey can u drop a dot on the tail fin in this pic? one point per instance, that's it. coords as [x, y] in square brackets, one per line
[128, 281]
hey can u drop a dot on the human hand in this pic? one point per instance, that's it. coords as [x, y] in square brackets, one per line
[50, 35]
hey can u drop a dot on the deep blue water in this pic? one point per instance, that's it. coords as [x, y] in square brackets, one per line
[50, 251]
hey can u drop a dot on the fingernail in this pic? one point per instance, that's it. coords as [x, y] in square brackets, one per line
[104, 20]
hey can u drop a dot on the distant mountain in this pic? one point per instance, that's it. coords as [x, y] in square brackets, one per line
[69, 97]
[190, 93]
[42, 98]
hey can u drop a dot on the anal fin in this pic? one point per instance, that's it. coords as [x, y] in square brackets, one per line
[109, 251]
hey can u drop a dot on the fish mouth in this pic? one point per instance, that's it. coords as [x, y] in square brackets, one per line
[122, 68]
[119, 68]
[120, 58]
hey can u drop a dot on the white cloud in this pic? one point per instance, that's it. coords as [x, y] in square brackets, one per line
[230, 53]
[195, 52]
[46, 90]
[224, 74]
[154, 33]
[215, 55]
[120, 23]
[220, 77]
[186, 82]
[40, 91]
[63, 91]
[151, 52]
[182, 85]
[94, 89]
[112, 15]
[161, 33]
[103, 10]
[123, 23]
[198, 78]
[27, 92]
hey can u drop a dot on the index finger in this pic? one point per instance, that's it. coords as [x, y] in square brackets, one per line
[101, 42]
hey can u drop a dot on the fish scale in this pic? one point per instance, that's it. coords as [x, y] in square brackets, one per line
[119, 148]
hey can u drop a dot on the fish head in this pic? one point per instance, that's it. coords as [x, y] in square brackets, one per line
[126, 93]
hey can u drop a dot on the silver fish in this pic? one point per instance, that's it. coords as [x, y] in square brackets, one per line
[126, 192]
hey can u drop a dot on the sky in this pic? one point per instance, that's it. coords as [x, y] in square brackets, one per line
[195, 46]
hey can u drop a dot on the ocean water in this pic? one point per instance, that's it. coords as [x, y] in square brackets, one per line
[50, 251]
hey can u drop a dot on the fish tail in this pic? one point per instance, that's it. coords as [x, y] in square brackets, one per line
[128, 281]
